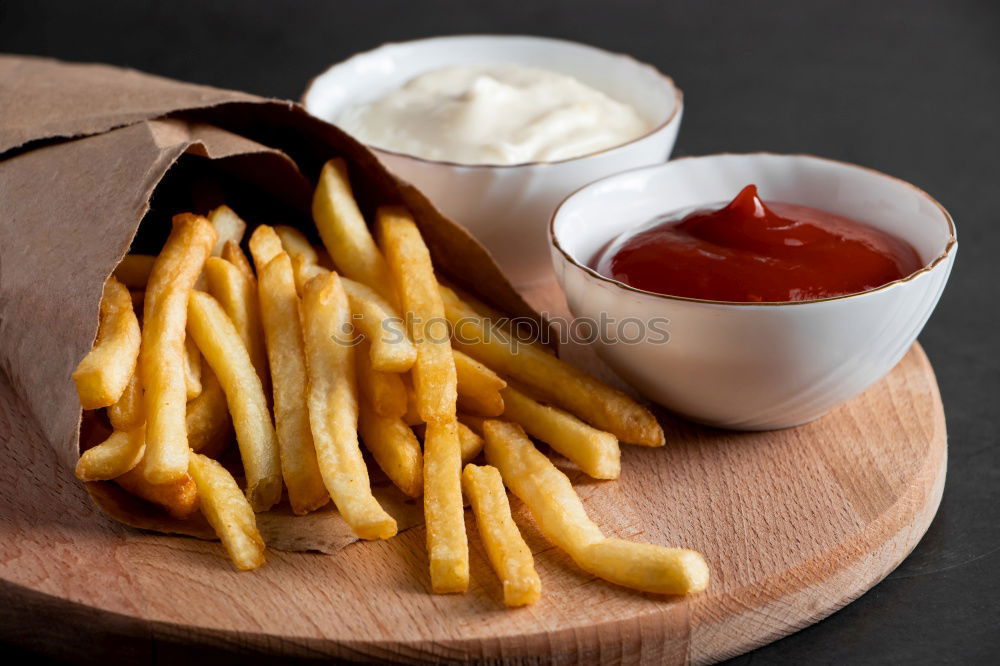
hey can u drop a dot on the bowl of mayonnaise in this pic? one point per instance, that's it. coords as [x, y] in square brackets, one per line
[497, 130]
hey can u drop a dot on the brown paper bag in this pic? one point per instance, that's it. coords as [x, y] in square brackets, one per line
[87, 153]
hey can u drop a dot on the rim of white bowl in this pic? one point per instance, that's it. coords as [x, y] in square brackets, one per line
[926, 268]
[674, 114]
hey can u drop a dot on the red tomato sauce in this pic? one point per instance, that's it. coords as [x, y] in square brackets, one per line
[749, 251]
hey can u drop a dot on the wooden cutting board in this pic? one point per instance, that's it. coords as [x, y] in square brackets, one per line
[794, 524]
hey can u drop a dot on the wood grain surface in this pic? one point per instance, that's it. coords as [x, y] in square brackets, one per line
[794, 524]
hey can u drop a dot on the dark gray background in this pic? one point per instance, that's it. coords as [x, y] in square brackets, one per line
[910, 88]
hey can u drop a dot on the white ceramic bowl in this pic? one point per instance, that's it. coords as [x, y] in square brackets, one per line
[507, 208]
[753, 366]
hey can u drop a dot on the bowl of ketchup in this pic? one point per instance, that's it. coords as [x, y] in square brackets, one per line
[755, 291]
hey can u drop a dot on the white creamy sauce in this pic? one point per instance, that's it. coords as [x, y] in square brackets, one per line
[494, 114]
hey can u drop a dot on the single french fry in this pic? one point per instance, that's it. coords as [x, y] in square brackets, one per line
[134, 269]
[508, 553]
[557, 381]
[473, 423]
[229, 227]
[376, 319]
[394, 447]
[434, 376]
[478, 387]
[332, 400]
[238, 297]
[226, 354]
[385, 391]
[162, 356]
[279, 308]
[265, 245]
[444, 513]
[192, 369]
[179, 498]
[209, 426]
[561, 517]
[470, 443]
[344, 232]
[296, 244]
[103, 374]
[594, 451]
[304, 272]
[232, 253]
[228, 512]
[128, 413]
[113, 457]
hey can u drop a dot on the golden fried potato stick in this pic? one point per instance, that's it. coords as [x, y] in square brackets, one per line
[229, 226]
[232, 253]
[391, 349]
[238, 296]
[508, 553]
[385, 391]
[434, 375]
[279, 308]
[228, 512]
[209, 426]
[594, 451]
[332, 399]
[411, 417]
[222, 347]
[265, 245]
[162, 356]
[394, 447]
[304, 272]
[470, 443]
[103, 374]
[296, 244]
[344, 232]
[192, 369]
[555, 380]
[133, 270]
[561, 517]
[478, 387]
[128, 413]
[179, 498]
[444, 512]
[113, 457]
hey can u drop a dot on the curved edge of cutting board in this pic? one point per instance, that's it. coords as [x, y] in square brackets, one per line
[702, 629]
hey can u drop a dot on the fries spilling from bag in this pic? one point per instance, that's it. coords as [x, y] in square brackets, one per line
[312, 362]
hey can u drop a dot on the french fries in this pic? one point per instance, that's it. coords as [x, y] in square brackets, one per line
[507, 551]
[344, 232]
[444, 513]
[222, 347]
[333, 408]
[238, 296]
[116, 455]
[178, 498]
[162, 356]
[104, 373]
[556, 380]
[594, 451]
[229, 228]
[478, 387]
[228, 512]
[128, 413]
[394, 447]
[391, 349]
[208, 423]
[561, 517]
[310, 352]
[385, 391]
[279, 308]
[434, 375]
[192, 369]
[134, 269]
